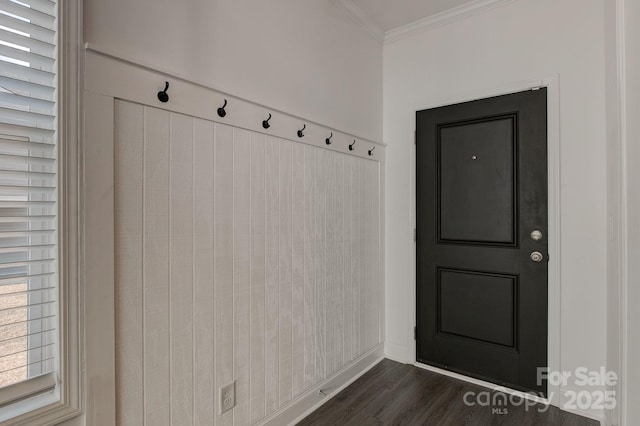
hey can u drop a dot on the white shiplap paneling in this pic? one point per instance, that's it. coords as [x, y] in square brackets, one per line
[128, 180]
[181, 269]
[239, 257]
[156, 308]
[204, 390]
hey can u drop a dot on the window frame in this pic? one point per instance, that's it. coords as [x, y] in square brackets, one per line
[65, 401]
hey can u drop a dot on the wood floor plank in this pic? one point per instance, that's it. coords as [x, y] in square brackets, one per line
[399, 394]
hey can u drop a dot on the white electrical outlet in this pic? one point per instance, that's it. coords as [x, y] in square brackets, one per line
[227, 397]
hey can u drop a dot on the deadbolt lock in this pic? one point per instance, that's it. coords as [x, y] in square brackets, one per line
[536, 235]
[536, 256]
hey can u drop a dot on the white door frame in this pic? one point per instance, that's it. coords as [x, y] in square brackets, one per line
[553, 167]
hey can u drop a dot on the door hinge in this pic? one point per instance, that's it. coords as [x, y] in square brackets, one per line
[415, 333]
[415, 236]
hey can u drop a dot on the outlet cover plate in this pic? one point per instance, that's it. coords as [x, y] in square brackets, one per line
[227, 397]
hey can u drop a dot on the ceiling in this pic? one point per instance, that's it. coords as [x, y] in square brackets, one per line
[390, 14]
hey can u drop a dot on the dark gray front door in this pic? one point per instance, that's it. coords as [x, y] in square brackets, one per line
[481, 216]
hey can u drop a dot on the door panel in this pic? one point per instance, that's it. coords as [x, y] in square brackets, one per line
[477, 202]
[488, 298]
[481, 187]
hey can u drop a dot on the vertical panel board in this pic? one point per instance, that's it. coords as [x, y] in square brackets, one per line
[128, 180]
[338, 219]
[355, 254]
[297, 263]
[362, 225]
[241, 272]
[181, 268]
[272, 300]
[371, 287]
[285, 330]
[375, 206]
[98, 255]
[366, 224]
[223, 260]
[156, 268]
[257, 377]
[347, 307]
[330, 250]
[309, 267]
[320, 209]
[204, 400]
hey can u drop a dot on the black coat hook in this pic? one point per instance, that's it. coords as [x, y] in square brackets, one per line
[221, 111]
[301, 131]
[371, 150]
[351, 147]
[265, 123]
[328, 140]
[162, 95]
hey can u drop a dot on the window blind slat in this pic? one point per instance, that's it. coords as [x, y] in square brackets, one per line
[42, 251]
[26, 204]
[36, 385]
[29, 352]
[14, 116]
[31, 277]
[25, 144]
[35, 17]
[28, 219]
[35, 326]
[44, 6]
[34, 31]
[46, 337]
[13, 175]
[21, 190]
[26, 159]
[34, 307]
[16, 291]
[31, 82]
[17, 101]
[25, 58]
[33, 44]
[27, 233]
[5, 265]
[22, 365]
[33, 134]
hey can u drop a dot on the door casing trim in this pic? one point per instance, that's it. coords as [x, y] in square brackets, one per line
[552, 83]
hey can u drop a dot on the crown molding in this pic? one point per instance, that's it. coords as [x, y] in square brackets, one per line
[443, 18]
[361, 18]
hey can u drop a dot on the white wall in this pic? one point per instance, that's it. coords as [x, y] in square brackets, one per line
[304, 57]
[613, 199]
[632, 129]
[523, 40]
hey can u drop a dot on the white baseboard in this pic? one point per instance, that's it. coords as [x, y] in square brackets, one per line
[311, 400]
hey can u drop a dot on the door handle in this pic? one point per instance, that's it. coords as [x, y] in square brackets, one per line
[536, 256]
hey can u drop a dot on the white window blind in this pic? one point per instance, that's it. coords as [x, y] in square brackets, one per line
[28, 208]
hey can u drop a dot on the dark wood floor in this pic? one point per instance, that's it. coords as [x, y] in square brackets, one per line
[398, 394]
